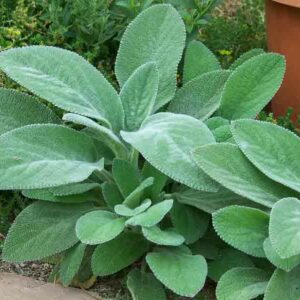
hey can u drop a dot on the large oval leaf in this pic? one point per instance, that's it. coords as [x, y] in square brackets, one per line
[246, 56]
[41, 230]
[166, 141]
[272, 149]
[40, 156]
[66, 80]
[226, 164]
[158, 35]
[285, 227]
[252, 86]
[200, 97]
[181, 272]
[244, 228]
[138, 95]
[118, 253]
[19, 109]
[198, 60]
[99, 227]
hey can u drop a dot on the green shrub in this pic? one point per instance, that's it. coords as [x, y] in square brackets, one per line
[115, 179]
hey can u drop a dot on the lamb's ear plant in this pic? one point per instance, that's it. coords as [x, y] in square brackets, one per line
[264, 164]
[116, 182]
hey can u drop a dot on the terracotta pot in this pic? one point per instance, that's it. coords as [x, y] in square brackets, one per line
[283, 31]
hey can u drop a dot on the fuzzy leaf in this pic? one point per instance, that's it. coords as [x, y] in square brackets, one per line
[123, 210]
[285, 227]
[286, 264]
[119, 253]
[200, 97]
[222, 134]
[19, 109]
[105, 135]
[284, 285]
[167, 237]
[242, 283]
[66, 80]
[41, 230]
[70, 264]
[75, 188]
[227, 260]
[152, 216]
[244, 228]
[181, 272]
[144, 286]
[246, 56]
[189, 221]
[138, 95]
[252, 86]
[30, 157]
[265, 145]
[166, 141]
[111, 194]
[198, 60]
[215, 122]
[127, 177]
[226, 164]
[99, 227]
[161, 33]
[211, 202]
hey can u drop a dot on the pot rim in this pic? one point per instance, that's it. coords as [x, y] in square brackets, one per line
[293, 3]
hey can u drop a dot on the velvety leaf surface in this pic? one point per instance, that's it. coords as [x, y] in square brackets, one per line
[167, 237]
[242, 283]
[161, 37]
[111, 194]
[31, 158]
[70, 264]
[284, 285]
[181, 272]
[200, 97]
[123, 210]
[152, 216]
[227, 259]
[244, 228]
[246, 56]
[272, 149]
[166, 141]
[144, 286]
[189, 221]
[198, 60]
[65, 79]
[215, 122]
[99, 227]
[118, 253]
[74, 188]
[252, 86]
[286, 264]
[19, 109]
[285, 227]
[41, 230]
[226, 164]
[138, 95]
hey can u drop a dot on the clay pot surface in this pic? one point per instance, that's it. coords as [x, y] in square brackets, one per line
[283, 31]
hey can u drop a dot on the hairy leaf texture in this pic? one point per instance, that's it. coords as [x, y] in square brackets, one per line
[19, 109]
[244, 228]
[166, 141]
[226, 164]
[156, 35]
[200, 97]
[111, 194]
[41, 230]
[285, 227]
[242, 283]
[215, 122]
[272, 149]
[284, 285]
[252, 86]
[74, 188]
[98, 227]
[144, 286]
[198, 60]
[40, 156]
[178, 270]
[123, 210]
[246, 56]
[118, 253]
[66, 80]
[138, 95]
